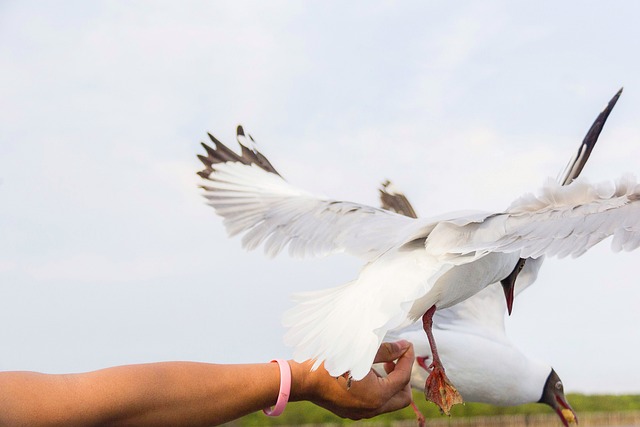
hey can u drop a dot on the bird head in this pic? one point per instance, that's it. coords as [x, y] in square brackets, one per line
[553, 395]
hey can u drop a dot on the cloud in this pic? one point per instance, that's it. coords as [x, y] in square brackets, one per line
[95, 268]
[7, 266]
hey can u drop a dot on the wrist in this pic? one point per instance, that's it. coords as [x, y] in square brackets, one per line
[301, 381]
[284, 392]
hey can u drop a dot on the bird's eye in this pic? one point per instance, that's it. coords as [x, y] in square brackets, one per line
[559, 385]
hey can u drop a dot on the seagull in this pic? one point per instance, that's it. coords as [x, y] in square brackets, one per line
[413, 267]
[482, 363]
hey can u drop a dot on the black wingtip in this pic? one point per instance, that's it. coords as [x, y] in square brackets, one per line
[592, 135]
[210, 151]
[577, 164]
[214, 139]
[395, 201]
[205, 160]
[203, 174]
[613, 100]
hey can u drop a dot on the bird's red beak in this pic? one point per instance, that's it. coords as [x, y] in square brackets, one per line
[565, 412]
[509, 284]
[509, 292]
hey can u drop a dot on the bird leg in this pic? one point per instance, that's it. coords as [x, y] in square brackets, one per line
[438, 389]
[422, 362]
[419, 416]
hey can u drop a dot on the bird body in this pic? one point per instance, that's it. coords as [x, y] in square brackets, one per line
[393, 291]
[455, 260]
[410, 263]
[481, 362]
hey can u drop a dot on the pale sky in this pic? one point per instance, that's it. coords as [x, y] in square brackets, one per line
[109, 255]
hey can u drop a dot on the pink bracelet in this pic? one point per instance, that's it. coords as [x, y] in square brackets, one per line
[285, 389]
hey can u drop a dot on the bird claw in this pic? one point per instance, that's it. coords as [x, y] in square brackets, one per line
[439, 390]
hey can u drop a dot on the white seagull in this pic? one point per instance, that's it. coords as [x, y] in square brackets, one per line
[482, 363]
[413, 266]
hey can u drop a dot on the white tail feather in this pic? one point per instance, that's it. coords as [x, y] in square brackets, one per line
[344, 326]
[326, 327]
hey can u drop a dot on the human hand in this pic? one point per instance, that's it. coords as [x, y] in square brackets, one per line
[371, 396]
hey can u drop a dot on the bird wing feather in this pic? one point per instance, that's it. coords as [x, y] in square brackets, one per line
[560, 221]
[256, 201]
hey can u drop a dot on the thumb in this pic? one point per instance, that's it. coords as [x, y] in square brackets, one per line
[390, 351]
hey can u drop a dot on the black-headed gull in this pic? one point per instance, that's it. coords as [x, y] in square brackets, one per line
[413, 266]
[482, 362]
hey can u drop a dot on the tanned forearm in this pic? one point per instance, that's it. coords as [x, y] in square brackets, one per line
[153, 394]
[194, 394]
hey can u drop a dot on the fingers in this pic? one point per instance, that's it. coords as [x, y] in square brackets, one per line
[400, 376]
[397, 381]
[395, 390]
[405, 361]
[400, 400]
[390, 351]
[372, 395]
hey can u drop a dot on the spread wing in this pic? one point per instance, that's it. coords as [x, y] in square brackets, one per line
[561, 221]
[254, 200]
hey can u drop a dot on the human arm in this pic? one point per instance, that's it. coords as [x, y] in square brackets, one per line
[189, 393]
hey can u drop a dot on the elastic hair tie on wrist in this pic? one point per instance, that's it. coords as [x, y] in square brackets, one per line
[285, 389]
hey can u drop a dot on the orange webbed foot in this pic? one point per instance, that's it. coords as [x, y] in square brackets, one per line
[440, 391]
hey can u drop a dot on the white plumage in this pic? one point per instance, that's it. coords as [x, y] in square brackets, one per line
[481, 362]
[412, 264]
